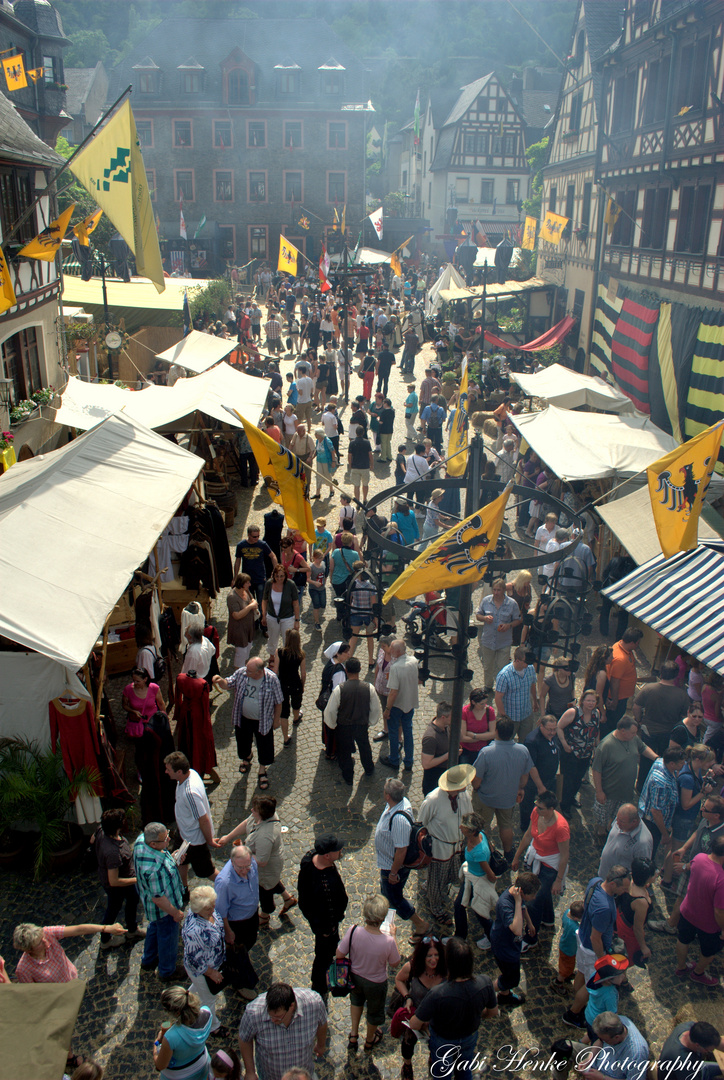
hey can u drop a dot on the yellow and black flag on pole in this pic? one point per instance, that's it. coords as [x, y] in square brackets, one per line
[457, 447]
[552, 227]
[396, 256]
[677, 486]
[46, 243]
[285, 476]
[14, 69]
[529, 234]
[288, 254]
[457, 557]
[35, 73]
[611, 216]
[85, 227]
[7, 292]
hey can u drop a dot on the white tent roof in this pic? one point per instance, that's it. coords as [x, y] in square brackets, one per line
[568, 389]
[450, 278]
[632, 521]
[166, 407]
[198, 352]
[75, 524]
[590, 446]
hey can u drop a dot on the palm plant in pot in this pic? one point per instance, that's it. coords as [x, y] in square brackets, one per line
[36, 797]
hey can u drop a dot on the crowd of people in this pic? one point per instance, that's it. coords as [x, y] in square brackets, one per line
[530, 738]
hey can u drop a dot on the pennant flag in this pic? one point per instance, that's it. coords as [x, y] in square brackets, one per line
[677, 485]
[46, 243]
[286, 478]
[529, 234]
[303, 222]
[416, 123]
[287, 261]
[35, 73]
[182, 220]
[7, 292]
[355, 253]
[611, 216]
[15, 72]
[342, 226]
[186, 314]
[458, 440]
[200, 226]
[552, 227]
[324, 270]
[335, 220]
[158, 225]
[111, 169]
[457, 557]
[85, 227]
[376, 219]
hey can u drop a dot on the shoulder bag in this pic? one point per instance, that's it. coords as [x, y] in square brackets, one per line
[339, 976]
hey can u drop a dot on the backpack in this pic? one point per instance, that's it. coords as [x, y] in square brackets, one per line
[159, 664]
[419, 847]
[436, 419]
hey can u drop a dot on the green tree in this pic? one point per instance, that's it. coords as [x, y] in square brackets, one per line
[87, 48]
[536, 156]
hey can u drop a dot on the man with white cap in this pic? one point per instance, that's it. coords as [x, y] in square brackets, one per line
[441, 813]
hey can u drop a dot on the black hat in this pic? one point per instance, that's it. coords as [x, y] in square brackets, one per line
[326, 843]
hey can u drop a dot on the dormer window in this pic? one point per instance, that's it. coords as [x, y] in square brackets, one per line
[288, 78]
[332, 77]
[192, 74]
[148, 73]
[237, 87]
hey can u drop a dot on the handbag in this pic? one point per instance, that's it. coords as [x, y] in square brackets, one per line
[236, 971]
[339, 976]
[497, 862]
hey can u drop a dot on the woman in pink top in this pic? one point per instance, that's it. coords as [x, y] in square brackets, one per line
[44, 959]
[478, 726]
[369, 951]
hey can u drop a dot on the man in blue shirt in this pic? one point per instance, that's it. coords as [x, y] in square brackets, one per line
[237, 901]
[595, 934]
[250, 555]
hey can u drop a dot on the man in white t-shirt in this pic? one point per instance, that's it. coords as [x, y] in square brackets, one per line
[199, 653]
[562, 537]
[545, 532]
[305, 390]
[193, 817]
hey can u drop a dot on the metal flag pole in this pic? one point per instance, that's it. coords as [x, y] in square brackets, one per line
[460, 649]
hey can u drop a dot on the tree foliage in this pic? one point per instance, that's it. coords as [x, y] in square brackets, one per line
[536, 156]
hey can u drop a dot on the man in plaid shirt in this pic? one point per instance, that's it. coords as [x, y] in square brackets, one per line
[159, 886]
[289, 1026]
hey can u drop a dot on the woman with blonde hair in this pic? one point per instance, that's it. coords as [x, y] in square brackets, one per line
[202, 933]
[179, 1052]
[370, 951]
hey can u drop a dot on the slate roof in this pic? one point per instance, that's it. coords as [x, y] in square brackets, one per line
[444, 149]
[79, 82]
[268, 43]
[532, 106]
[441, 102]
[603, 26]
[468, 95]
[19, 143]
[41, 17]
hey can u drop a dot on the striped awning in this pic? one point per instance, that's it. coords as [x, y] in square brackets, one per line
[682, 598]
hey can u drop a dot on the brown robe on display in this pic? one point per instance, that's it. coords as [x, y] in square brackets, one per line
[193, 723]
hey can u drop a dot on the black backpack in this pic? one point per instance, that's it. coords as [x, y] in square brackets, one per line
[159, 664]
[419, 847]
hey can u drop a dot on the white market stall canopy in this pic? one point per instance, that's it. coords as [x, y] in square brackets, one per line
[493, 290]
[168, 408]
[682, 598]
[197, 352]
[591, 446]
[568, 389]
[632, 522]
[75, 524]
[450, 278]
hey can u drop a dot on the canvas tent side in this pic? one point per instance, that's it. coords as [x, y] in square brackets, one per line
[568, 389]
[450, 278]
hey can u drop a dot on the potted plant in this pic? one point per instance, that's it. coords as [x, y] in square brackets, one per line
[35, 802]
[449, 384]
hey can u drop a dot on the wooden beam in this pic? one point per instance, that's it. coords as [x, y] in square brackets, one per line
[101, 676]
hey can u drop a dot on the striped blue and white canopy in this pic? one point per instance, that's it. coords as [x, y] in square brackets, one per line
[682, 598]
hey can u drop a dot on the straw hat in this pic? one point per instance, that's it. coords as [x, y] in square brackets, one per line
[457, 778]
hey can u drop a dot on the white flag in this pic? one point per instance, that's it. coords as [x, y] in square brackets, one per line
[182, 221]
[376, 220]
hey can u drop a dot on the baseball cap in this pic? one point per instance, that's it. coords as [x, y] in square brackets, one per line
[327, 843]
[606, 968]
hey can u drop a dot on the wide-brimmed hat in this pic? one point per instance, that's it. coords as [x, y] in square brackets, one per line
[457, 778]
[607, 967]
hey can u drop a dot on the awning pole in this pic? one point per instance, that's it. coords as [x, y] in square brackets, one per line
[102, 673]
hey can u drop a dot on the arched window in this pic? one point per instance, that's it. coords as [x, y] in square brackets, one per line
[237, 87]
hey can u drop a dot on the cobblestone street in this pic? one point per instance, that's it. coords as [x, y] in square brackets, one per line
[121, 1010]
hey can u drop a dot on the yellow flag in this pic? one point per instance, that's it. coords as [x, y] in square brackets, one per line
[611, 216]
[459, 432]
[529, 234]
[286, 478]
[335, 220]
[35, 73]
[677, 486]
[552, 227]
[457, 558]
[344, 217]
[85, 227]
[7, 292]
[395, 264]
[46, 243]
[111, 169]
[15, 72]
[287, 257]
